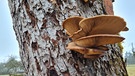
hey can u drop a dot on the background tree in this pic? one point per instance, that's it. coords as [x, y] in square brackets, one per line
[42, 40]
[11, 66]
[133, 49]
[130, 58]
[3, 69]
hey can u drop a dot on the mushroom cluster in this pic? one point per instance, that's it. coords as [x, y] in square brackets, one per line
[90, 35]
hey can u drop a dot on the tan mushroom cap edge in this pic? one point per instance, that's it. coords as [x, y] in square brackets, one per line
[98, 40]
[80, 33]
[82, 50]
[103, 24]
[72, 24]
[125, 29]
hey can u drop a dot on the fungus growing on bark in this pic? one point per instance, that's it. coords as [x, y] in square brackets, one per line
[98, 40]
[91, 52]
[104, 24]
[89, 35]
[72, 24]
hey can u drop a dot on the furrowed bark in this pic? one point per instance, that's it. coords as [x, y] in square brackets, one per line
[42, 39]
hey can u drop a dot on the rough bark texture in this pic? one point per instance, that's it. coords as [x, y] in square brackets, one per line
[42, 40]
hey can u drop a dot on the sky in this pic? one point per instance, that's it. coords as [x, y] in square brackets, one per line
[126, 10]
[9, 44]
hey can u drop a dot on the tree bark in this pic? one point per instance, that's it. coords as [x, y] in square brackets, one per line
[42, 39]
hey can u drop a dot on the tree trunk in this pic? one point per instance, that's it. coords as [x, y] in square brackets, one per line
[42, 39]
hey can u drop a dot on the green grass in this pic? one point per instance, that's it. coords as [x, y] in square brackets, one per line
[131, 70]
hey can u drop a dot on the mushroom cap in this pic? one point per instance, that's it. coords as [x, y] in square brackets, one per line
[125, 29]
[82, 50]
[98, 40]
[103, 24]
[80, 33]
[73, 46]
[72, 24]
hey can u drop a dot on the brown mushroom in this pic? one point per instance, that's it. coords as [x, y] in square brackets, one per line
[80, 33]
[125, 29]
[86, 51]
[72, 24]
[98, 40]
[104, 24]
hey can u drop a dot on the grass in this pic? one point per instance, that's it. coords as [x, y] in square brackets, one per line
[131, 70]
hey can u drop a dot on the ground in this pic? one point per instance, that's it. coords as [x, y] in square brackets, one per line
[131, 70]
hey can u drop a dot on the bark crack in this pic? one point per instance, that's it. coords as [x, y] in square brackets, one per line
[37, 65]
[30, 13]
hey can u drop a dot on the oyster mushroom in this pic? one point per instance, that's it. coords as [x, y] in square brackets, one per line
[72, 24]
[86, 51]
[104, 24]
[98, 40]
